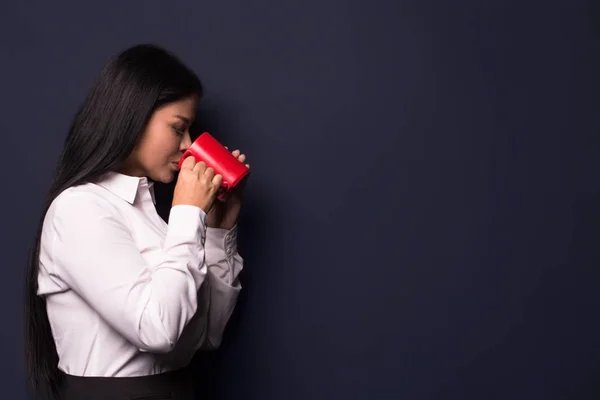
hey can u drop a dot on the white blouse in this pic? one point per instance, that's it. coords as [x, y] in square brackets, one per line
[128, 294]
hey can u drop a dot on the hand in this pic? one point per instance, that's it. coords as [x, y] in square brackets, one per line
[224, 214]
[197, 185]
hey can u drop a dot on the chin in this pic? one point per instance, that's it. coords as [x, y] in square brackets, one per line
[169, 178]
[165, 177]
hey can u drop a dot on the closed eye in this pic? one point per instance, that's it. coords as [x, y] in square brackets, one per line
[179, 130]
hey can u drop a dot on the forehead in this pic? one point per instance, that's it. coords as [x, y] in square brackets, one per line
[185, 108]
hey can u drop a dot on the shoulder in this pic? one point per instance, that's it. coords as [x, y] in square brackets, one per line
[82, 203]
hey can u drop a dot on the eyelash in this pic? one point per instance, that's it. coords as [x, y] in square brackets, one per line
[179, 131]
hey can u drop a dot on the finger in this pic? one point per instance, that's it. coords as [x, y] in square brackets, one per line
[200, 167]
[247, 165]
[217, 180]
[188, 163]
[236, 153]
[242, 158]
[209, 172]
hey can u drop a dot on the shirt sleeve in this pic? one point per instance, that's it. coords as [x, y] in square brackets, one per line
[224, 266]
[96, 256]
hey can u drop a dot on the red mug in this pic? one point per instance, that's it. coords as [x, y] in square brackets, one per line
[206, 148]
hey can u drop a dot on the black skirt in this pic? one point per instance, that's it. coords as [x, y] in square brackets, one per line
[175, 385]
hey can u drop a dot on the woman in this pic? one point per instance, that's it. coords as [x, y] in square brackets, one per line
[117, 300]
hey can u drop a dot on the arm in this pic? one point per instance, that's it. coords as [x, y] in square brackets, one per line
[95, 255]
[224, 266]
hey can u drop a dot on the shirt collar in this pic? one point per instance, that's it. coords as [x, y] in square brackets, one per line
[126, 186]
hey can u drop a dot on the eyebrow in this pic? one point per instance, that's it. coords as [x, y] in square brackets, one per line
[184, 119]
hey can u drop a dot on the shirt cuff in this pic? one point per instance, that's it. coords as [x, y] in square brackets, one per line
[221, 238]
[188, 223]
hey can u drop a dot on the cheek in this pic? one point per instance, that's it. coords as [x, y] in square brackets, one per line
[173, 148]
[169, 151]
[165, 149]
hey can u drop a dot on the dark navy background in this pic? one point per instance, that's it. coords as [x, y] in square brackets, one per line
[423, 217]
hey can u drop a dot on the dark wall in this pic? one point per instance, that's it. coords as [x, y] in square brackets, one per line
[422, 220]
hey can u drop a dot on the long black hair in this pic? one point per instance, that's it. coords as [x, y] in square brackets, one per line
[104, 131]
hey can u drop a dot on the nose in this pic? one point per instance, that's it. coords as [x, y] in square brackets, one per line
[186, 142]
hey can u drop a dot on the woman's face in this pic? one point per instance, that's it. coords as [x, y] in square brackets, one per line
[164, 141]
